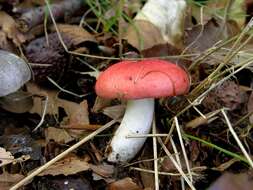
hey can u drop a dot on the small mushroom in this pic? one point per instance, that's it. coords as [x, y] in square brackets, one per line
[14, 73]
[139, 82]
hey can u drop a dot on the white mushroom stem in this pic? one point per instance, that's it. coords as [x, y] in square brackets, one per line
[137, 120]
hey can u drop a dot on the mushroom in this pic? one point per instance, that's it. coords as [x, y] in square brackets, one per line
[14, 73]
[139, 82]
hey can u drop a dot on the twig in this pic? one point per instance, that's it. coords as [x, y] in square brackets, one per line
[160, 173]
[141, 161]
[155, 156]
[183, 148]
[176, 164]
[36, 16]
[66, 91]
[62, 155]
[237, 138]
[178, 161]
[43, 113]
[147, 135]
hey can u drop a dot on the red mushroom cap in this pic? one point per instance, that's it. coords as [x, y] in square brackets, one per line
[142, 79]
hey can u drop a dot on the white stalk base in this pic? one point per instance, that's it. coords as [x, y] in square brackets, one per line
[137, 120]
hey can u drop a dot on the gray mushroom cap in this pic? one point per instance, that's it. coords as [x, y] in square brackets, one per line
[14, 73]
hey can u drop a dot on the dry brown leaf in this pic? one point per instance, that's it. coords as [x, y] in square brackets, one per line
[76, 34]
[104, 170]
[231, 181]
[78, 114]
[8, 25]
[210, 33]
[143, 35]
[124, 184]
[72, 109]
[68, 166]
[5, 44]
[52, 105]
[114, 112]
[5, 157]
[58, 135]
[8, 180]
[226, 95]
[78, 117]
[98, 154]
[100, 103]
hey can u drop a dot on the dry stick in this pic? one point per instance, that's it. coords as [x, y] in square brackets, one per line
[161, 173]
[176, 164]
[141, 161]
[63, 154]
[43, 114]
[155, 156]
[183, 148]
[147, 135]
[178, 161]
[66, 91]
[36, 16]
[237, 138]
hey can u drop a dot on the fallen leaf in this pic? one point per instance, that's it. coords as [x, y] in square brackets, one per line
[8, 25]
[114, 112]
[7, 180]
[104, 170]
[5, 157]
[78, 117]
[58, 135]
[124, 184]
[5, 44]
[38, 107]
[226, 95]
[74, 110]
[78, 114]
[210, 33]
[160, 50]
[98, 154]
[100, 103]
[143, 35]
[75, 34]
[231, 181]
[68, 166]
